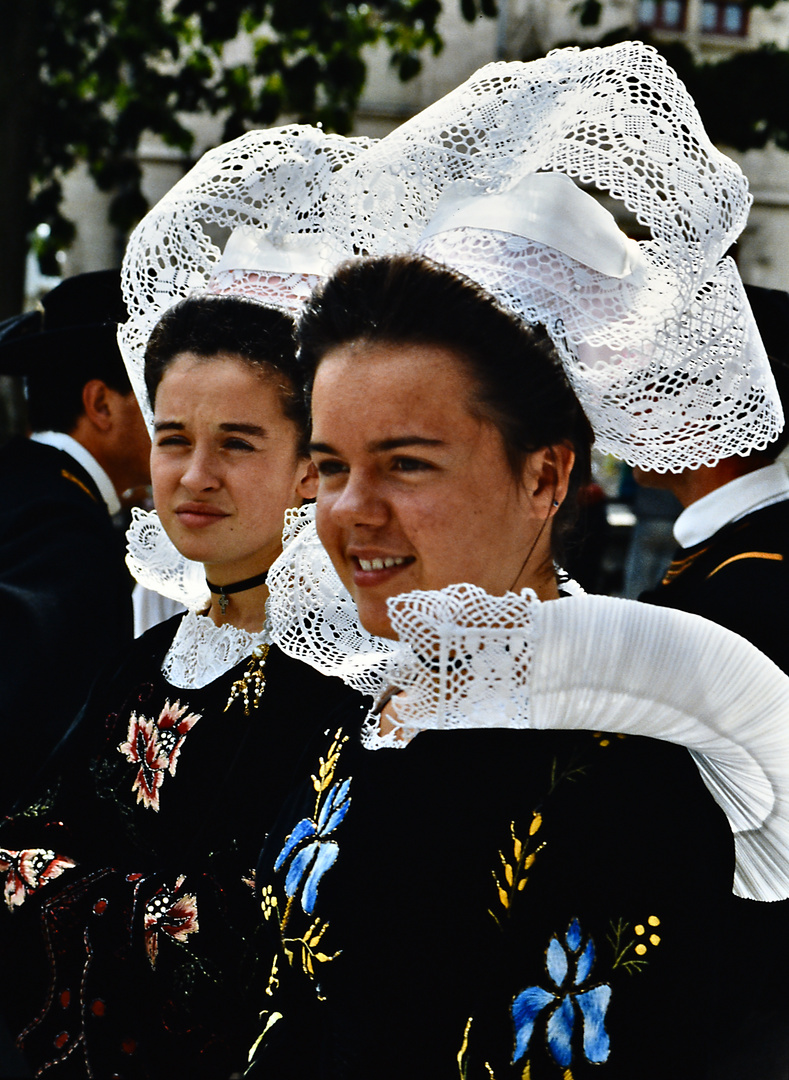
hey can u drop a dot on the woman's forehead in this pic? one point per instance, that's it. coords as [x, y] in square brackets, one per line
[384, 397]
[390, 368]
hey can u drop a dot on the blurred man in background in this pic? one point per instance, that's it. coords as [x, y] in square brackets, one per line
[65, 593]
[732, 565]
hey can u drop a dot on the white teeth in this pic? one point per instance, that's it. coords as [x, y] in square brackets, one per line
[381, 564]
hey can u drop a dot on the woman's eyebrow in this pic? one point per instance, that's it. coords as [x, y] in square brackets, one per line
[383, 445]
[403, 441]
[244, 429]
[168, 425]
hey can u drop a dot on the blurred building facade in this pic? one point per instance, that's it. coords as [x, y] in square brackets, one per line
[524, 29]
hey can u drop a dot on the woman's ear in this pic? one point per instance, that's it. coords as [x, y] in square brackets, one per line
[307, 486]
[546, 476]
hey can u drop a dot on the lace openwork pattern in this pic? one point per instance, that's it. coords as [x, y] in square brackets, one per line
[616, 119]
[458, 648]
[202, 651]
[696, 388]
[156, 563]
[312, 615]
[287, 182]
[288, 291]
[666, 360]
[699, 391]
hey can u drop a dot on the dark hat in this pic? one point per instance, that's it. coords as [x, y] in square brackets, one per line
[771, 311]
[78, 316]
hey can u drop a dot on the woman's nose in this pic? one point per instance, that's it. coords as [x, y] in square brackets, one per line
[201, 473]
[361, 502]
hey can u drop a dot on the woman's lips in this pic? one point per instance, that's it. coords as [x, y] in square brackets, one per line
[198, 515]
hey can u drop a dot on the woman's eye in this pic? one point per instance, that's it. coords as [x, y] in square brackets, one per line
[172, 440]
[327, 467]
[238, 444]
[408, 464]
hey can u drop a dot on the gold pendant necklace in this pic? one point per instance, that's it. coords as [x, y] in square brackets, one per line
[253, 681]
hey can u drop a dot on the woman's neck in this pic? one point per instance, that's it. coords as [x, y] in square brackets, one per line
[245, 610]
[542, 579]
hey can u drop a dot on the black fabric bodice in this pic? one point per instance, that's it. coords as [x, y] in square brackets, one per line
[137, 961]
[501, 904]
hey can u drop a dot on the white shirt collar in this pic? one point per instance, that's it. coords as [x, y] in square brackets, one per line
[60, 441]
[757, 489]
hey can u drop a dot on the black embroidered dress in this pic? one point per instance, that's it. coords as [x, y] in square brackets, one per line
[539, 905]
[130, 913]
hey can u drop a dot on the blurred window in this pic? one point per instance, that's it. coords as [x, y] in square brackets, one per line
[662, 14]
[724, 17]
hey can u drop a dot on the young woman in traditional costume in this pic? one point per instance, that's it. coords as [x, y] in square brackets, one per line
[521, 864]
[130, 912]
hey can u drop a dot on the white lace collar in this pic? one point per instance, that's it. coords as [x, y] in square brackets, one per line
[464, 659]
[155, 563]
[202, 651]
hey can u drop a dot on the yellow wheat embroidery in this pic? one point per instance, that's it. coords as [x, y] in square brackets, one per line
[514, 873]
[307, 946]
[327, 766]
[463, 1054]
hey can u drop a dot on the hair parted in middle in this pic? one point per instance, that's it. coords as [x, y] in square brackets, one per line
[520, 384]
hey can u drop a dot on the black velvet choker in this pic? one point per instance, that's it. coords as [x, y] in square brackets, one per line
[223, 591]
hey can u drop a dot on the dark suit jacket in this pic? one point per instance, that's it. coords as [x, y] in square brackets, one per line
[65, 601]
[738, 578]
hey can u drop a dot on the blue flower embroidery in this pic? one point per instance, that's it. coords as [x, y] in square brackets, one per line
[320, 854]
[569, 966]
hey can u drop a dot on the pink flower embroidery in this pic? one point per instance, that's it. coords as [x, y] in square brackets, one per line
[173, 727]
[29, 870]
[154, 745]
[168, 913]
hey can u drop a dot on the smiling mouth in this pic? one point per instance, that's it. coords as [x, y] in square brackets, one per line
[383, 564]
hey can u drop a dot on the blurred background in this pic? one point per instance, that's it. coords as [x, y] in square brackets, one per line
[105, 104]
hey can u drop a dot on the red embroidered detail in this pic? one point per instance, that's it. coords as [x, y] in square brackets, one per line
[97, 1007]
[154, 745]
[100, 907]
[167, 912]
[29, 870]
[128, 1046]
[61, 1040]
[65, 999]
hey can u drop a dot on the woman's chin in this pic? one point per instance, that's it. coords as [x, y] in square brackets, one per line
[375, 619]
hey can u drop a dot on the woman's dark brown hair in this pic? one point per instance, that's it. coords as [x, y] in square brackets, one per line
[521, 386]
[208, 326]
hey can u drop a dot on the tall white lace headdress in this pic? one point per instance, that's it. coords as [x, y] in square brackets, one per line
[656, 335]
[265, 216]
[659, 341]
